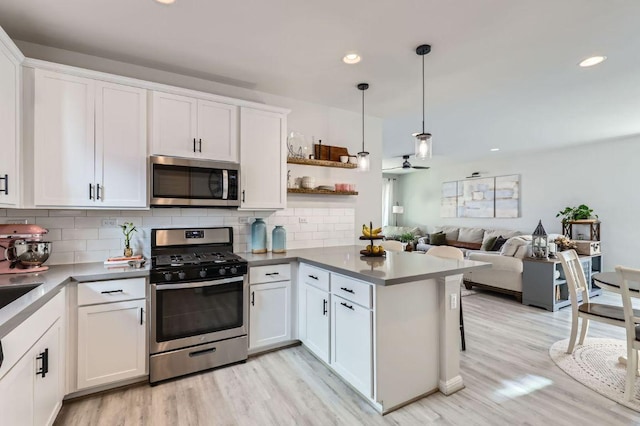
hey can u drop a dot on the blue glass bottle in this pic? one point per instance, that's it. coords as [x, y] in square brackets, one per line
[258, 236]
[279, 240]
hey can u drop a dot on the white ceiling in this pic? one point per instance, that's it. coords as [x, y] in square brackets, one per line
[501, 73]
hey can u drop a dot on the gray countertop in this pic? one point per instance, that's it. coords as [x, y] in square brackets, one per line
[51, 282]
[395, 268]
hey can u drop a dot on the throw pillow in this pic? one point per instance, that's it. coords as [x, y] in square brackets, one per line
[488, 244]
[511, 246]
[498, 243]
[438, 239]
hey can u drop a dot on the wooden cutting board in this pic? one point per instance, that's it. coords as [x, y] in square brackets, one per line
[328, 152]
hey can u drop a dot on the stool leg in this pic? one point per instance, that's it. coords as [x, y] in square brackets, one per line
[464, 345]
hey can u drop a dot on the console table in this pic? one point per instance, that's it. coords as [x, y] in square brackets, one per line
[544, 284]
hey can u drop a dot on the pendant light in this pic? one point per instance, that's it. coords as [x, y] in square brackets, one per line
[423, 140]
[363, 156]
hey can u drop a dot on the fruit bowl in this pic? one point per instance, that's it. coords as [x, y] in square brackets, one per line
[368, 253]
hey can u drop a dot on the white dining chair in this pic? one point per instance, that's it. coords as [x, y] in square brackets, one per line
[392, 245]
[631, 321]
[449, 252]
[577, 283]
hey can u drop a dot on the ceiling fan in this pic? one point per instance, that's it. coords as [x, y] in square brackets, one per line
[407, 165]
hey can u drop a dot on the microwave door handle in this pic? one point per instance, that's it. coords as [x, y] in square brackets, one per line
[225, 184]
[198, 284]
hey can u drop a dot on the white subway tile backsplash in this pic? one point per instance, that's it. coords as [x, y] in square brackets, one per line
[165, 212]
[308, 227]
[68, 245]
[53, 234]
[321, 212]
[210, 221]
[344, 226]
[91, 256]
[103, 213]
[107, 244]
[184, 221]
[337, 212]
[321, 235]
[56, 222]
[193, 212]
[53, 213]
[60, 258]
[155, 221]
[3, 212]
[136, 213]
[316, 219]
[105, 233]
[303, 212]
[303, 236]
[331, 219]
[79, 234]
[326, 226]
[7, 219]
[27, 213]
[89, 222]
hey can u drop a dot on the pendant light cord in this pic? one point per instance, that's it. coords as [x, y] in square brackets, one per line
[422, 94]
[363, 121]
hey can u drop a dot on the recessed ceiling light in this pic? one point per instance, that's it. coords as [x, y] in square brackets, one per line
[165, 1]
[594, 60]
[351, 58]
[495, 149]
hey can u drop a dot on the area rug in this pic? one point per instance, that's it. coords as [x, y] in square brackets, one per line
[595, 364]
[464, 292]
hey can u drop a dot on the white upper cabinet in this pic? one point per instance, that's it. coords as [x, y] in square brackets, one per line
[89, 143]
[263, 171]
[194, 128]
[10, 73]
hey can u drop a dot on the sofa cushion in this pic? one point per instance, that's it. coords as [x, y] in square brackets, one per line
[498, 243]
[438, 239]
[464, 244]
[505, 233]
[487, 245]
[471, 235]
[511, 246]
[451, 231]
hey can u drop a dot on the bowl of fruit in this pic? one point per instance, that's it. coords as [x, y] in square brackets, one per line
[373, 251]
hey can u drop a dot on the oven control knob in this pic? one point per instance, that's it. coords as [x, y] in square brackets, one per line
[233, 270]
[181, 275]
[167, 276]
[203, 273]
[222, 271]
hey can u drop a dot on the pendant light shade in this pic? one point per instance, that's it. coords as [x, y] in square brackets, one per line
[423, 140]
[363, 156]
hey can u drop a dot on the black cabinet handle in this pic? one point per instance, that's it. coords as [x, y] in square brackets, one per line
[6, 184]
[44, 356]
[347, 306]
[112, 291]
[202, 352]
[97, 191]
[253, 298]
[194, 144]
[243, 195]
[313, 276]
[348, 290]
[272, 273]
[90, 192]
[200, 145]
[141, 315]
[324, 307]
[1, 354]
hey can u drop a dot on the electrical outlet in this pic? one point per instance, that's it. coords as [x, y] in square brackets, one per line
[303, 220]
[243, 220]
[454, 301]
[109, 223]
[17, 221]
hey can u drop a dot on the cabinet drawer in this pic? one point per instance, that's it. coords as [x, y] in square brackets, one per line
[314, 276]
[269, 273]
[350, 289]
[111, 291]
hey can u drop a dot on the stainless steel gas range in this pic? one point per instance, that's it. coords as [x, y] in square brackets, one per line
[198, 302]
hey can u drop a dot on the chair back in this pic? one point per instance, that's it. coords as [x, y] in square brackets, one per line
[447, 252]
[392, 245]
[576, 280]
[625, 277]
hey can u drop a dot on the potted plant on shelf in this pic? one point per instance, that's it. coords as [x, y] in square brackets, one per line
[127, 230]
[581, 212]
[407, 239]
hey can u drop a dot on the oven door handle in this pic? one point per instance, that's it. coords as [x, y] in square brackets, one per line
[198, 284]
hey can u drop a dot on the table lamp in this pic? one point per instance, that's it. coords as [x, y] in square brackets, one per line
[396, 210]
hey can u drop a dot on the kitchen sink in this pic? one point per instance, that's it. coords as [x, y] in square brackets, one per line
[10, 293]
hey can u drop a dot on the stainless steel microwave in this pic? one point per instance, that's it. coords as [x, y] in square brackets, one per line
[195, 183]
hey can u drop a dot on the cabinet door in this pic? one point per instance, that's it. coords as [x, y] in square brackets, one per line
[16, 388]
[111, 342]
[173, 124]
[263, 159]
[269, 316]
[316, 321]
[63, 140]
[9, 103]
[47, 390]
[351, 347]
[121, 145]
[217, 131]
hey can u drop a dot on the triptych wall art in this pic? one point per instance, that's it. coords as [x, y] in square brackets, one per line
[497, 196]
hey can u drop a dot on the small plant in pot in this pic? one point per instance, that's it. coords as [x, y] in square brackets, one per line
[128, 229]
[576, 213]
[407, 238]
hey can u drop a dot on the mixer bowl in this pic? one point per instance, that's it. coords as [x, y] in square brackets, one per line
[29, 254]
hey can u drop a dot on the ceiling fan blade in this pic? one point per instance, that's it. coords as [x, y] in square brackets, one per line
[420, 167]
[392, 168]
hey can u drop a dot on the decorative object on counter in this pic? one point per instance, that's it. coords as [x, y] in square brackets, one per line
[370, 233]
[279, 240]
[396, 210]
[123, 260]
[423, 139]
[127, 230]
[540, 242]
[563, 243]
[258, 236]
[22, 249]
[363, 156]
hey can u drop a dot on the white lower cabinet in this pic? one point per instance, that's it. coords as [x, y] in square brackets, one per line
[112, 336]
[32, 373]
[269, 313]
[351, 343]
[314, 320]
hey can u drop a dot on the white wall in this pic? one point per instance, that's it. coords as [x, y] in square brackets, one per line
[605, 176]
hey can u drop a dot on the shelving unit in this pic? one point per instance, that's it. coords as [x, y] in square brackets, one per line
[321, 163]
[542, 289]
[319, 191]
[594, 228]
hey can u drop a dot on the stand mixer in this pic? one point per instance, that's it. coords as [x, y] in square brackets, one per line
[22, 249]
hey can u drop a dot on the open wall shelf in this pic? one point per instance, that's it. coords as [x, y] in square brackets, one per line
[319, 191]
[321, 163]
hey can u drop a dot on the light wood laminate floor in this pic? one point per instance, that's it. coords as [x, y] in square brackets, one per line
[509, 378]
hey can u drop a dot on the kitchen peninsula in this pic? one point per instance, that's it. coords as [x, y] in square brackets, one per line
[388, 326]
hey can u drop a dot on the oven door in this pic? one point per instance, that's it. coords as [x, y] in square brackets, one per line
[197, 312]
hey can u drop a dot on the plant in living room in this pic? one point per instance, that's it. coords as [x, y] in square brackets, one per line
[576, 213]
